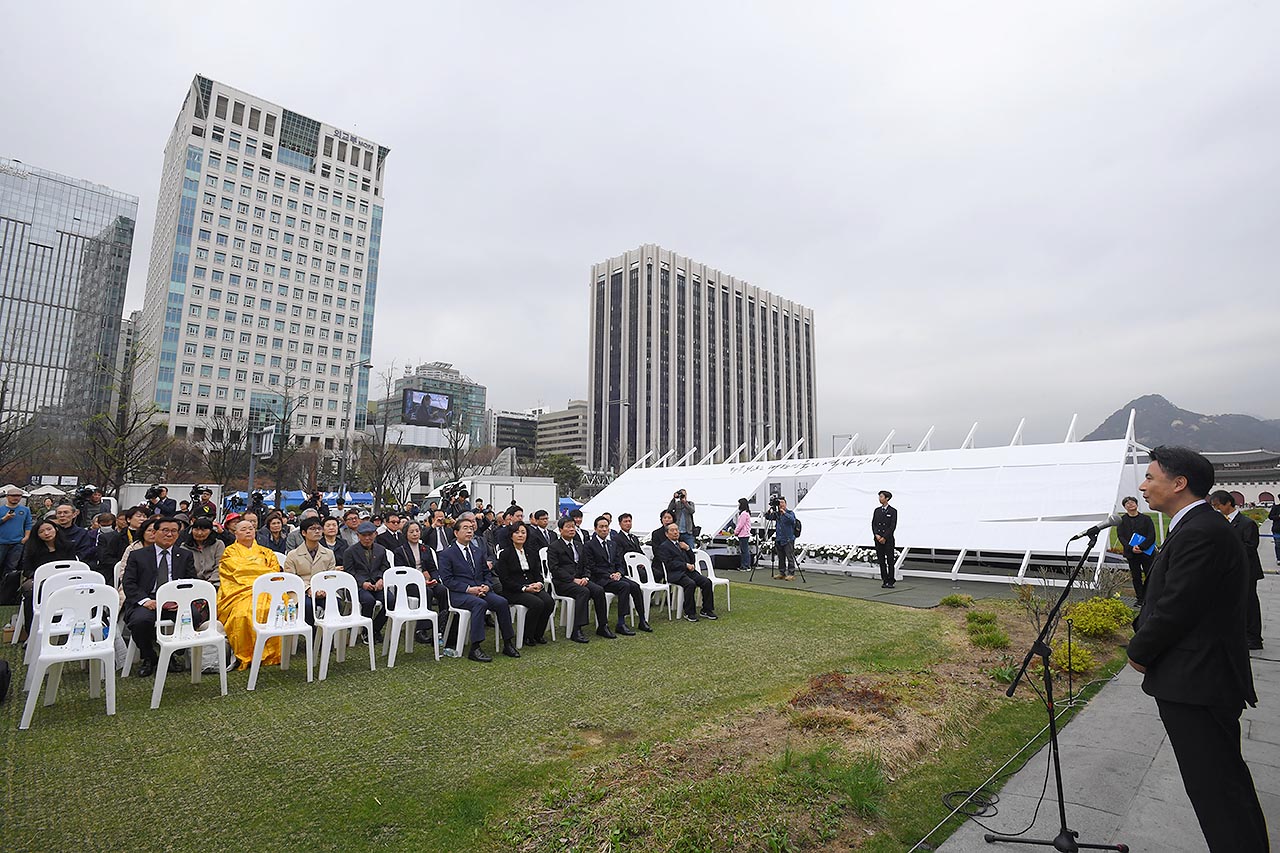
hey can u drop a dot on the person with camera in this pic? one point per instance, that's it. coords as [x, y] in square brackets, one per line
[257, 507]
[784, 537]
[204, 506]
[159, 503]
[681, 509]
[91, 505]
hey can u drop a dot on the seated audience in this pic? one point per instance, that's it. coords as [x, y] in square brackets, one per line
[604, 560]
[465, 571]
[679, 564]
[522, 583]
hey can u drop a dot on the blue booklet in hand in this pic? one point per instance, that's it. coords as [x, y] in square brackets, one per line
[1136, 540]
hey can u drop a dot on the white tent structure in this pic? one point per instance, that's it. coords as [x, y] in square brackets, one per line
[991, 503]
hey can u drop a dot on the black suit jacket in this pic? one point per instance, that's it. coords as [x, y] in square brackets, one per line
[140, 581]
[674, 560]
[391, 541]
[1191, 631]
[564, 569]
[111, 547]
[404, 557]
[431, 534]
[355, 562]
[884, 521]
[599, 562]
[167, 507]
[509, 572]
[628, 543]
[1249, 538]
[539, 538]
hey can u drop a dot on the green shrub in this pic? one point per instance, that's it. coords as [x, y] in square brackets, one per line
[980, 617]
[957, 600]
[990, 638]
[1081, 659]
[1099, 617]
[1005, 671]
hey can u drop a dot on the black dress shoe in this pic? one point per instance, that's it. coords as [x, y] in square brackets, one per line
[175, 664]
[709, 614]
[578, 637]
[424, 637]
[646, 627]
[146, 669]
[478, 654]
[624, 630]
[509, 649]
[603, 631]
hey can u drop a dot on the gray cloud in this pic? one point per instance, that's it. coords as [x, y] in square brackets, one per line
[996, 211]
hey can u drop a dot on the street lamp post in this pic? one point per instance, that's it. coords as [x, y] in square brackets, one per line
[351, 419]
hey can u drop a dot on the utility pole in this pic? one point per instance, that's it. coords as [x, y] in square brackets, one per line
[351, 419]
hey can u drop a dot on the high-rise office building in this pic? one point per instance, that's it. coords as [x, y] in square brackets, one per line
[684, 356]
[564, 432]
[518, 430]
[126, 349]
[264, 269]
[464, 406]
[64, 262]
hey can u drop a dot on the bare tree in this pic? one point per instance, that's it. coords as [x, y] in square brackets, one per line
[287, 398]
[181, 461]
[226, 449]
[401, 471]
[377, 450]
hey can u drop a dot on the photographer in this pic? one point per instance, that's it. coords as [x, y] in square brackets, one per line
[204, 506]
[258, 507]
[681, 508]
[159, 502]
[784, 537]
[89, 501]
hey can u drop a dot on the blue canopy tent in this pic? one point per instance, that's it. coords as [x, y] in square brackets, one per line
[568, 505]
[291, 497]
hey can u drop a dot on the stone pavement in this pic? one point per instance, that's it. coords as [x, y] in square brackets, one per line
[1119, 773]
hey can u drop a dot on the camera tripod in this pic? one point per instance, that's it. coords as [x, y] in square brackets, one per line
[770, 532]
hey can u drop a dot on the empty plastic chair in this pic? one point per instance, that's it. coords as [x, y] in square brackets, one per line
[42, 574]
[408, 587]
[339, 590]
[283, 618]
[51, 584]
[83, 608]
[708, 568]
[639, 570]
[181, 632]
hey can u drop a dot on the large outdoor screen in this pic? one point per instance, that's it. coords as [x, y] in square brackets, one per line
[423, 408]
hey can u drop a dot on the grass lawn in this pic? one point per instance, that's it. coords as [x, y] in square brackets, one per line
[681, 740]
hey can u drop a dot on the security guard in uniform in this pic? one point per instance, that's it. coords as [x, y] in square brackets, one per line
[884, 521]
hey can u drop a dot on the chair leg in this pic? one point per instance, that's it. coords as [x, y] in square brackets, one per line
[109, 665]
[130, 654]
[306, 641]
[257, 661]
[38, 673]
[326, 645]
[162, 671]
[222, 670]
[286, 652]
[391, 641]
[95, 685]
[373, 665]
[51, 687]
[197, 663]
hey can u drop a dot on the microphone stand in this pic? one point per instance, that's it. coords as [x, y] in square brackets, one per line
[1065, 841]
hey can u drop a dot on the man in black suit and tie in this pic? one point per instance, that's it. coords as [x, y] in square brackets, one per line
[367, 561]
[604, 560]
[1191, 645]
[539, 536]
[502, 536]
[567, 562]
[628, 542]
[884, 521]
[438, 536]
[392, 538]
[465, 571]
[166, 507]
[1247, 530]
[146, 570]
[679, 562]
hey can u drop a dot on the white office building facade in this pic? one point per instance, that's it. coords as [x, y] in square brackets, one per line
[685, 357]
[264, 269]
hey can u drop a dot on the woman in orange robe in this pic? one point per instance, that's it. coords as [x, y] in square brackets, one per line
[243, 562]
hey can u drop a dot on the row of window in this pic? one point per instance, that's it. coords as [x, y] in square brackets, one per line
[202, 411]
[233, 298]
[279, 181]
[340, 177]
[228, 335]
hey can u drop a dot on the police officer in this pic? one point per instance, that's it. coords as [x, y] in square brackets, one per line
[884, 521]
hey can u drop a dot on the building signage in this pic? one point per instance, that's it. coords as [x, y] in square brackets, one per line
[13, 167]
[354, 140]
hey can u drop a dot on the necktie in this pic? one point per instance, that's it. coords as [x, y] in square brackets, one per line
[575, 552]
[608, 550]
[164, 567]
[467, 553]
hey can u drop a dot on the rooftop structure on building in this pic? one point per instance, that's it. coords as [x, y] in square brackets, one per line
[688, 360]
[65, 245]
[564, 432]
[264, 270]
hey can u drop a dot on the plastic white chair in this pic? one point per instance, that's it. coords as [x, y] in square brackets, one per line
[42, 574]
[411, 595]
[83, 607]
[278, 587]
[648, 552]
[463, 618]
[566, 604]
[555, 599]
[708, 568]
[640, 571]
[181, 633]
[51, 584]
[332, 621]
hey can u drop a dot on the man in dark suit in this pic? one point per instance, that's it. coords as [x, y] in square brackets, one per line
[109, 545]
[884, 522]
[502, 536]
[367, 561]
[1247, 530]
[465, 571]
[438, 536]
[1191, 645]
[567, 562]
[166, 506]
[628, 542]
[678, 562]
[146, 570]
[391, 538]
[604, 561]
[659, 535]
[539, 536]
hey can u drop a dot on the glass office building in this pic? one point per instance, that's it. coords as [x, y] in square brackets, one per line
[64, 262]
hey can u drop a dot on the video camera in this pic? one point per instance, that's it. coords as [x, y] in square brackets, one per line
[153, 493]
[83, 495]
[773, 502]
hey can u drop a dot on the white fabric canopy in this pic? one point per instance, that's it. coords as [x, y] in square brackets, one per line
[645, 492]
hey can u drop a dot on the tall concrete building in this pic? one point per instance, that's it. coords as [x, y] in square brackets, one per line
[264, 269]
[126, 350]
[517, 430]
[466, 401]
[65, 245]
[683, 356]
[564, 432]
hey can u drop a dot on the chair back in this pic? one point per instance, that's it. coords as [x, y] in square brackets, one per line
[705, 563]
[339, 588]
[637, 567]
[94, 604]
[277, 587]
[185, 592]
[404, 581]
[48, 570]
[648, 551]
[61, 580]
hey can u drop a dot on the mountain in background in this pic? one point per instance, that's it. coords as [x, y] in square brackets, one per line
[1161, 422]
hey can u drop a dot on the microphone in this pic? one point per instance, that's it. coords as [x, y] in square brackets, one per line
[1112, 521]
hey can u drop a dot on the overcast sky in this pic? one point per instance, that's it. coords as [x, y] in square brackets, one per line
[995, 210]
